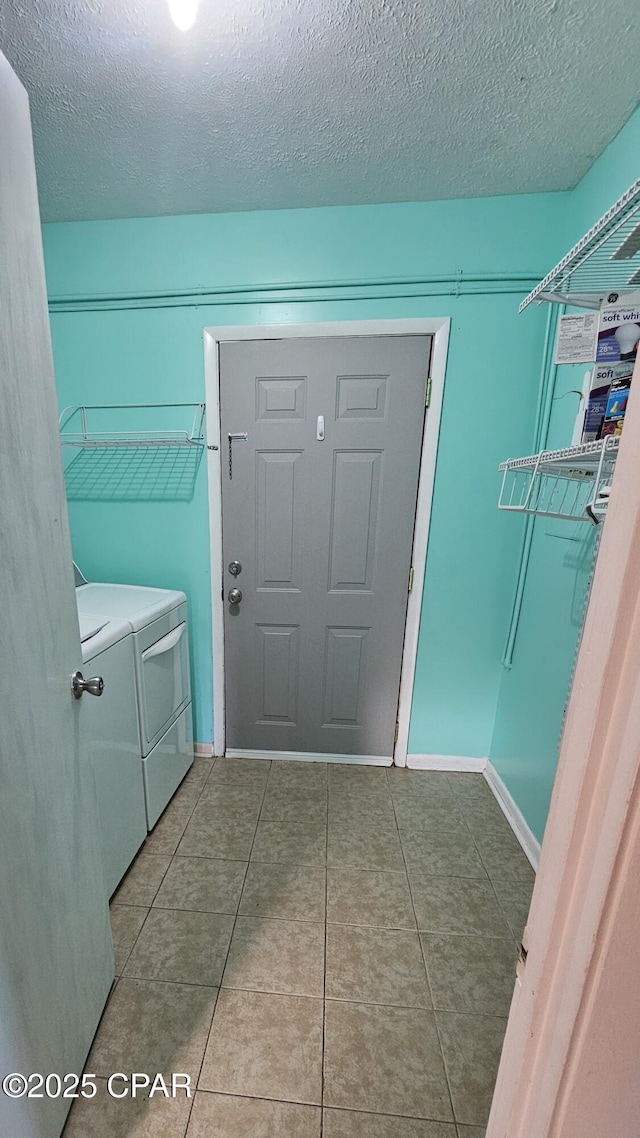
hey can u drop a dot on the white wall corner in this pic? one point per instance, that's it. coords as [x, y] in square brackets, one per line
[464, 763]
[203, 750]
[513, 814]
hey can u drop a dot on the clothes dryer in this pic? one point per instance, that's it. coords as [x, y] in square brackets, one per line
[159, 624]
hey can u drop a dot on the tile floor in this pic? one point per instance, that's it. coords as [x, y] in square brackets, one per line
[325, 950]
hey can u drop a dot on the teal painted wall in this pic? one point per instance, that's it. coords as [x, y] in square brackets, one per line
[489, 406]
[503, 235]
[363, 262]
[532, 693]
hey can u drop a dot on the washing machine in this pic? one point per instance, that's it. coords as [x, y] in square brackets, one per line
[158, 622]
[110, 728]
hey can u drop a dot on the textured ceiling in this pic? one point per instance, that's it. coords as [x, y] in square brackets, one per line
[278, 103]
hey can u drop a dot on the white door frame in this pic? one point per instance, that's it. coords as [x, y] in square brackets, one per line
[438, 328]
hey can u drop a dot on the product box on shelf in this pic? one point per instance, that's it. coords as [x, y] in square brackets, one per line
[618, 335]
[594, 414]
[616, 406]
[607, 401]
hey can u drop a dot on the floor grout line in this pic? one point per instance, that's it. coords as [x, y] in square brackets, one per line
[170, 856]
[204, 1051]
[424, 961]
[247, 916]
[264, 791]
[318, 1106]
[173, 983]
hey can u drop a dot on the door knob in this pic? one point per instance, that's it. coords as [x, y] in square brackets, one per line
[234, 596]
[95, 685]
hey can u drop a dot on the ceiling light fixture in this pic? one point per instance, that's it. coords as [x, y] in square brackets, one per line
[183, 13]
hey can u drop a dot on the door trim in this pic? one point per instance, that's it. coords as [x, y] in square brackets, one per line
[436, 327]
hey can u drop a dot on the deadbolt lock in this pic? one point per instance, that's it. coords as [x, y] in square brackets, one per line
[235, 568]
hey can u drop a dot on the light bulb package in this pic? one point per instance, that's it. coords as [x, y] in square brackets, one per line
[595, 410]
[607, 401]
[618, 338]
[618, 335]
[616, 406]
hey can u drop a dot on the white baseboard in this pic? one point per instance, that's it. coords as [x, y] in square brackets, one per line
[446, 763]
[310, 757]
[203, 750]
[514, 815]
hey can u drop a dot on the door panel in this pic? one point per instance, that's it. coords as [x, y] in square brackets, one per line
[361, 397]
[56, 955]
[280, 398]
[277, 689]
[323, 529]
[354, 519]
[279, 520]
[345, 669]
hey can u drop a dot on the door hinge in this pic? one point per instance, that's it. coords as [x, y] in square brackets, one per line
[397, 731]
[427, 397]
[411, 579]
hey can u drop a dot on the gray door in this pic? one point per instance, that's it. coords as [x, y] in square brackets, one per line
[56, 957]
[322, 528]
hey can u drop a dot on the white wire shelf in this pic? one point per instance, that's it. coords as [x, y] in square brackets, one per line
[132, 452]
[603, 265]
[573, 484]
[101, 425]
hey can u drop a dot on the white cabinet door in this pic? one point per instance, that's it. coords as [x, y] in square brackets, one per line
[56, 961]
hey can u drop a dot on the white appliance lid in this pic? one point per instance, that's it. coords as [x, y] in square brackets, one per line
[137, 604]
[98, 632]
[89, 625]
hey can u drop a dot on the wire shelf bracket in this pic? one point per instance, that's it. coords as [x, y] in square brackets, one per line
[604, 266]
[573, 484]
